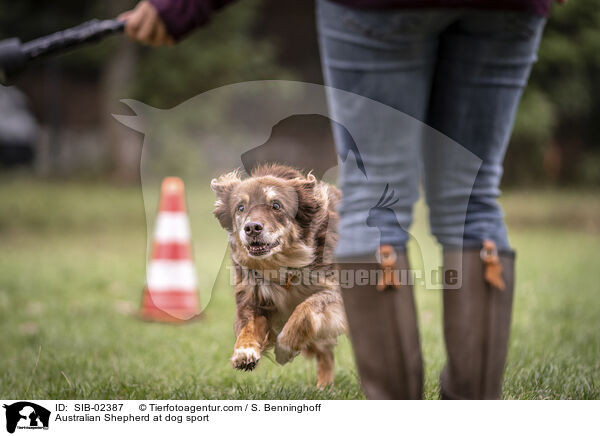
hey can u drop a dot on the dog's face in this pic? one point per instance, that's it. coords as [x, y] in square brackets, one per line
[265, 214]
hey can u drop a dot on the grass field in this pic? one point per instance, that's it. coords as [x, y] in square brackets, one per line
[72, 266]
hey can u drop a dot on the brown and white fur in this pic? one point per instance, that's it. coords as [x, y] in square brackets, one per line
[282, 229]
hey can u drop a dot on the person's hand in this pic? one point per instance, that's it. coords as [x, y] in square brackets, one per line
[143, 24]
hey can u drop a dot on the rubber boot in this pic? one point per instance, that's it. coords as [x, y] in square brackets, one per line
[477, 323]
[384, 332]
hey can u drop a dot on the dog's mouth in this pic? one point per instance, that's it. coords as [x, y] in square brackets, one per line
[260, 248]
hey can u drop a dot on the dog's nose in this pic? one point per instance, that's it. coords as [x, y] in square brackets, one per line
[253, 229]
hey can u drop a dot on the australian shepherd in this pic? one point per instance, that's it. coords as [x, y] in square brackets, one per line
[282, 229]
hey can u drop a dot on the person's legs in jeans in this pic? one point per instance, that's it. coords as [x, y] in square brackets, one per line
[484, 63]
[387, 56]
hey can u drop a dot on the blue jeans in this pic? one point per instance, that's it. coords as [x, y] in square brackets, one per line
[460, 72]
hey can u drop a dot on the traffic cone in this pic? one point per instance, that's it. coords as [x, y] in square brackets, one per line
[170, 294]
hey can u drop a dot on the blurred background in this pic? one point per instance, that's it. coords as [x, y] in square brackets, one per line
[72, 222]
[70, 98]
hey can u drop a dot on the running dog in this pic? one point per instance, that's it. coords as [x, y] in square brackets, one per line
[282, 229]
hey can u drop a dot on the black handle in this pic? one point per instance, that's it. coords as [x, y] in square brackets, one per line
[14, 54]
[90, 31]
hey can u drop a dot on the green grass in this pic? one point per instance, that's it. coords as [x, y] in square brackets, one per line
[72, 265]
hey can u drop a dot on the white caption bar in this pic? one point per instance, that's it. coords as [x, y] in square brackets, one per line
[329, 418]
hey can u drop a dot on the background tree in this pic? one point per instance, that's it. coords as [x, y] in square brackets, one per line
[558, 125]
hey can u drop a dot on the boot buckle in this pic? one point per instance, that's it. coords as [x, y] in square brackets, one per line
[390, 274]
[488, 251]
[493, 267]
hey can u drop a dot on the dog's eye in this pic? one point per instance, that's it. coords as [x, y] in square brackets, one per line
[240, 208]
[276, 205]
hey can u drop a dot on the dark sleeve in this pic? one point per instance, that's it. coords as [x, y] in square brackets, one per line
[182, 16]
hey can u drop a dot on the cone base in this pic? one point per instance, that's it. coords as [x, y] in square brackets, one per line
[163, 317]
[174, 307]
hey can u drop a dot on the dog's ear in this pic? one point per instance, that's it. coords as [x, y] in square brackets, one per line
[308, 201]
[222, 187]
[306, 184]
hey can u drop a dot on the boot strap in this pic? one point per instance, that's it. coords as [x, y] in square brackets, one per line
[493, 267]
[387, 260]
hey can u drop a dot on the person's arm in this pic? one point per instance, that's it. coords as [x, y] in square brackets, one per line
[162, 22]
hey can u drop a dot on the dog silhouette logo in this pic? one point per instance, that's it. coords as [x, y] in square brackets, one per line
[26, 415]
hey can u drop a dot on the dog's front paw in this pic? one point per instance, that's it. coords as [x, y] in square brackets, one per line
[283, 352]
[245, 358]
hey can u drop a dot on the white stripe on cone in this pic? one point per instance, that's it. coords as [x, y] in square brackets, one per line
[172, 227]
[170, 275]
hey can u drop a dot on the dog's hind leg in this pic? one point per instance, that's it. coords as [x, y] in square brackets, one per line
[323, 353]
[325, 365]
[319, 317]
